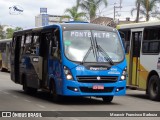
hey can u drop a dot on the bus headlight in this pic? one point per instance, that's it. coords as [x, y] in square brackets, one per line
[67, 73]
[69, 77]
[124, 74]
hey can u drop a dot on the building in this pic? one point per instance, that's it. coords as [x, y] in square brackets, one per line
[57, 19]
[44, 19]
[126, 21]
[110, 22]
[41, 20]
[106, 21]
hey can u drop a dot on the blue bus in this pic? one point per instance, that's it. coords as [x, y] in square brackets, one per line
[70, 59]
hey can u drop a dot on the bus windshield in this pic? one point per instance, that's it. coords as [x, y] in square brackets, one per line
[78, 42]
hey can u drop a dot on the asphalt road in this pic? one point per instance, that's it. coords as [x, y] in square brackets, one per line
[12, 98]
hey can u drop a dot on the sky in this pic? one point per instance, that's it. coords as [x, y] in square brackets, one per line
[31, 8]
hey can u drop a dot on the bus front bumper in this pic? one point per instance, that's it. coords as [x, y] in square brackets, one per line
[75, 88]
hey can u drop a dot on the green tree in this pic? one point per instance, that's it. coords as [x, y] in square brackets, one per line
[73, 12]
[10, 31]
[18, 28]
[91, 7]
[2, 36]
[147, 8]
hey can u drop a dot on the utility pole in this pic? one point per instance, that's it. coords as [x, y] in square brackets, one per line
[147, 17]
[138, 8]
[114, 16]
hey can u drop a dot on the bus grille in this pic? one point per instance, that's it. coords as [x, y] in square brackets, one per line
[90, 90]
[94, 79]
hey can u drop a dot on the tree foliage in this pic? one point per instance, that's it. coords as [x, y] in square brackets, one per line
[10, 31]
[92, 6]
[2, 33]
[73, 12]
[148, 8]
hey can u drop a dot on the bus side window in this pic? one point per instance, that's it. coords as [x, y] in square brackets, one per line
[126, 36]
[27, 47]
[35, 44]
[22, 45]
[3, 47]
[150, 44]
[122, 37]
[127, 45]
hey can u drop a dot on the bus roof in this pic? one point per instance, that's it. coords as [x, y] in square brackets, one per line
[5, 40]
[71, 26]
[139, 25]
[85, 26]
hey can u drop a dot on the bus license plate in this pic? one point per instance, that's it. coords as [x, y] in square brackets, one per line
[98, 87]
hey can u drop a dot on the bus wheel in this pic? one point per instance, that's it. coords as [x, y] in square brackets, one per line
[107, 99]
[55, 97]
[3, 70]
[154, 88]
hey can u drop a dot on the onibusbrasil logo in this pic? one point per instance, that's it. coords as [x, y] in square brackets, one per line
[15, 10]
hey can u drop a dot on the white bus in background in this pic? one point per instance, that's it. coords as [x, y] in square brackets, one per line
[142, 45]
[5, 54]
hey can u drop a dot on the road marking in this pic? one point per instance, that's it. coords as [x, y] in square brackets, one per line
[58, 113]
[27, 100]
[40, 106]
[6, 92]
[15, 96]
[74, 118]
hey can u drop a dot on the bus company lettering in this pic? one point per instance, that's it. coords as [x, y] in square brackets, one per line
[114, 71]
[89, 34]
[98, 68]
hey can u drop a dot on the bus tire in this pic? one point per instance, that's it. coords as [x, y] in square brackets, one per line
[27, 89]
[53, 92]
[154, 88]
[107, 99]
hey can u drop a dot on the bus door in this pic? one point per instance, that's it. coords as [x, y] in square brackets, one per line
[15, 58]
[44, 52]
[55, 61]
[136, 38]
[8, 55]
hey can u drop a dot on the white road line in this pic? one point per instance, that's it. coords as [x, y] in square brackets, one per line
[40, 106]
[74, 118]
[58, 113]
[27, 100]
[15, 96]
[6, 92]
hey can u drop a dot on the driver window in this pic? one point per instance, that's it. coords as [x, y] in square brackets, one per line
[55, 44]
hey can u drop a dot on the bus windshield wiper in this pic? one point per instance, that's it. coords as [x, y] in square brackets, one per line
[99, 48]
[86, 55]
[105, 54]
[89, 50]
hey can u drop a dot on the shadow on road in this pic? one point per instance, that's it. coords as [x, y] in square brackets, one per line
[141, 96]
[138, 94]
[45, 96]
